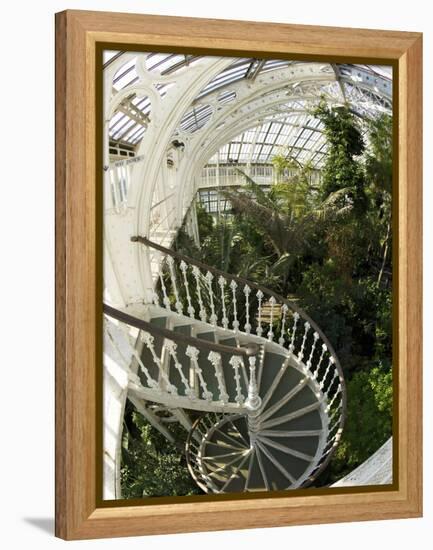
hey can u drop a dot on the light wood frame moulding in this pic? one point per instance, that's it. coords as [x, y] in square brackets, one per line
[80, 513]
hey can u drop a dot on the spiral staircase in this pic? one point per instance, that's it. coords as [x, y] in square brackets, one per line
[247, 373]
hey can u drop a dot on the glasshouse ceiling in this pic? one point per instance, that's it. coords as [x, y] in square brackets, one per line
[254, 108]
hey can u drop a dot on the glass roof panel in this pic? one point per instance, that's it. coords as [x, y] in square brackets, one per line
[108, 56]
[367, 88]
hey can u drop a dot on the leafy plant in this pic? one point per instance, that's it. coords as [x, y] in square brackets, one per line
[369, 420]
[328, 247]
[151, 465]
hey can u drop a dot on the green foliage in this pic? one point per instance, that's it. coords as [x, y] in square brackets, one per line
[356, 317]
[345, 143]
[379, 157]
[151, 465]
[312, 243]
[369, 425]
[204, 221]
[328, 247]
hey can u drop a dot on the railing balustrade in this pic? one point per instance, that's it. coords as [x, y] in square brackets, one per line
[194, 289]
[195, 349]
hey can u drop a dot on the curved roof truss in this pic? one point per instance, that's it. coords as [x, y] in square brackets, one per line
[272, 98]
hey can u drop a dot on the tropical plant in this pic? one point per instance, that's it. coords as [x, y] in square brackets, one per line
[342, 170]
[369, 424]
[327, 246]
[152, 466]
[378, 166]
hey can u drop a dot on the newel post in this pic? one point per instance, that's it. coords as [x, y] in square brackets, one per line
[253, 401]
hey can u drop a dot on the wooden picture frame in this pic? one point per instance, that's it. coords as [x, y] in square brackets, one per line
[79, 510]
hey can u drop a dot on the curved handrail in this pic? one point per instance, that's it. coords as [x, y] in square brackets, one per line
[251, 349]
[219, 272]
[242, 281]
[330, 445]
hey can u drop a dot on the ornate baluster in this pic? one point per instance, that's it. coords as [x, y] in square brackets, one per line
[253, 402]
[295, 324]
[236, 361]
[190, 309]
[213, 318]
[222, 284]
[253, 391]
[335, 377]
[328, 368]
[165, 299]
[193, 353]
[272, 301]
[234, 286]
[337, 392]
[171, 347]
[301, 351]
[334, 424]
[196, 272]
[178, 304]
[259, 329]
[332, 390]
[215, 358]
[332, 431]
[148, 339]
[335, 412]
[316, 370]
[150, 381]
[331, 440]
[313, 347]
[247, 291]
[284, 310]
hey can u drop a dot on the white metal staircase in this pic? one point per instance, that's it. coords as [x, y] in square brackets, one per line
[263, 375]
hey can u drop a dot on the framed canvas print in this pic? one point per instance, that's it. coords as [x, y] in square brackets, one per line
[238, 227]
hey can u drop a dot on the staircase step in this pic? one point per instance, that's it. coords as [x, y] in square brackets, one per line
[293, 465]
[291, 378]
[237, 434]
[146, 355]
[231, 341]
[277, 480]
[225, 465]
[209, 336]
[275, 463]
[223, 435]
[308, 421]
[226, 458]
[255, 479]
[271, 366]
[307, 445]
[285, 402]
[240, 474]
[212, 452]
[219, 446]
[302, 399]
[218, 477]
[241, 425]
